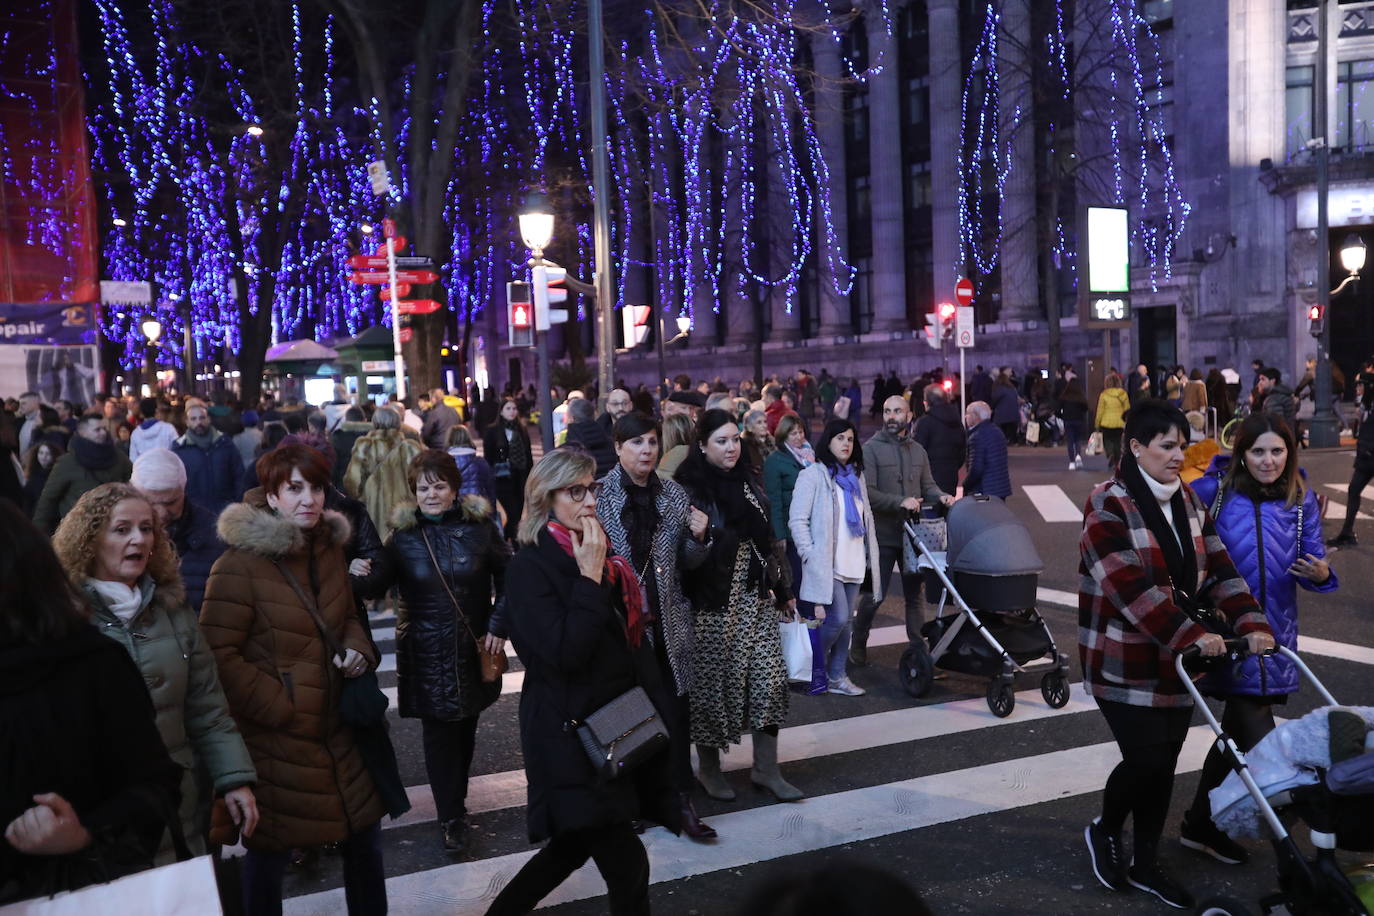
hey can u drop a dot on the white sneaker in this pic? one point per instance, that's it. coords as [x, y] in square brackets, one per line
[1078, 463]
[1072, 465]
[846, 688]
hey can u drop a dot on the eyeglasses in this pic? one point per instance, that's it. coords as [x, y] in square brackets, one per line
[578, 491]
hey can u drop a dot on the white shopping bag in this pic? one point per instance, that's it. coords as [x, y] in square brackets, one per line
[184, 889]
[796, 649]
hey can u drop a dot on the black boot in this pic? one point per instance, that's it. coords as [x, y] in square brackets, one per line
[1345, 539]
[692, 825]
[456, 835]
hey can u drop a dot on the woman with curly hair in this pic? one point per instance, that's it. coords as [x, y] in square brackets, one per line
[114, 552]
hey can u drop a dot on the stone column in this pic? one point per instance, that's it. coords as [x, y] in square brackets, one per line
[781, 242]
[885, 164]
[836, 317]
[946, 90]
[1020, 278]
[739, 305]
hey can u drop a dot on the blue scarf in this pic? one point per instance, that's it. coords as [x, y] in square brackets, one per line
[849, 482]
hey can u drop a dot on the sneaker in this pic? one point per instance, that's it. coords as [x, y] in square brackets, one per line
[1073, 465]
[1104, 851]
[1078, 462]
[1342, 540]
[1152, 880]
[1206, 838]
[846, 688]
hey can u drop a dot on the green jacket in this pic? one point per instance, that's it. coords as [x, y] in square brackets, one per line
[780, 472]
[69, 481]
[193, 718]
[896, 469]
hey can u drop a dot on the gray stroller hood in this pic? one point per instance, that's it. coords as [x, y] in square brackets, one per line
[987, 539]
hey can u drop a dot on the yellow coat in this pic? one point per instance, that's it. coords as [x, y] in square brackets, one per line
[1111, 409]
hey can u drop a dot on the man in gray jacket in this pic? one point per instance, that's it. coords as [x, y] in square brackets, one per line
[897, 470]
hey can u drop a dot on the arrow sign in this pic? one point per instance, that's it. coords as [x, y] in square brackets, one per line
[405, 335]
[398, 244]
[402, 289]
[373, 262]
[402, 276]
[417, 306]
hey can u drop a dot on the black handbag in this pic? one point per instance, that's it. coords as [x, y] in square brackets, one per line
[623, 734]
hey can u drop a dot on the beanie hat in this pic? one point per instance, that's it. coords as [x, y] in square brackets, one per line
[250, 418]
[159, 469]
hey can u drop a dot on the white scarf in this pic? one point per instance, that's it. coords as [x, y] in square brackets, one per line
[123, 602]
[1164, 493]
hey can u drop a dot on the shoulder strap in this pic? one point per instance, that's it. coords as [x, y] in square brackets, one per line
[1218, 499]
[310, 607]
[424, 535]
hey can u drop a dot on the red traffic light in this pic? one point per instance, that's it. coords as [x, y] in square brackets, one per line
[947, 311]
[520, 315]
[947, 384]
[1314, 313]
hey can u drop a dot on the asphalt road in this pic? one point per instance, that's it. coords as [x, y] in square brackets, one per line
[982, 815]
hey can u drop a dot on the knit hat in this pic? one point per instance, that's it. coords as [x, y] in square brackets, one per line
[157, 470]
[250, 418]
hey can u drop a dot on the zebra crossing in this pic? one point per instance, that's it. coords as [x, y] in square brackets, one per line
[1054, 504]
[1038, 759]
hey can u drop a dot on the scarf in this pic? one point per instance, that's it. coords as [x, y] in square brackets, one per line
[804, 455]
[124, 602]
[205, 441]
[849, 482]
[1175, 541]
[622, 576]
[515, 455]
[730, 492]
[93, 456]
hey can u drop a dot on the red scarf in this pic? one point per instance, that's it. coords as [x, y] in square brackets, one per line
[622, 576]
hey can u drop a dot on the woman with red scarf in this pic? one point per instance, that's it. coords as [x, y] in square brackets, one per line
[577, 619]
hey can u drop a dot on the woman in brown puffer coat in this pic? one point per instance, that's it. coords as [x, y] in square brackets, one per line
[282, 685]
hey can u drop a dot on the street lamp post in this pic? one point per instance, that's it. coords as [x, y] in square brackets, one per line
[1324, 428]
[601, 196]
[536, 230]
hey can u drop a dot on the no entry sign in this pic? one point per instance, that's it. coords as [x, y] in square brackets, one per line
[963, 291]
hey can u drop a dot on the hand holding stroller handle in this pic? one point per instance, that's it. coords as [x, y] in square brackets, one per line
[1238, 646]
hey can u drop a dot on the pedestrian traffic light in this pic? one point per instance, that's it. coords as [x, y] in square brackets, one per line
[1316, 316]
[932, 330]
[519, 314]
[947, 313]
[947, 385]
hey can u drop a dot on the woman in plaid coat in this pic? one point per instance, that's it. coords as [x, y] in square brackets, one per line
[1145, 534]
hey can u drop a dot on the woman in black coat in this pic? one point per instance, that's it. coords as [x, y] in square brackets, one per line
[443, 550]
[575, 617]
[77, 730]
[506, 447]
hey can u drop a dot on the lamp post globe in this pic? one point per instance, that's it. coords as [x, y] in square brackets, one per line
[684, 324]
[536, 222]
[1353, 253]
[152, 329]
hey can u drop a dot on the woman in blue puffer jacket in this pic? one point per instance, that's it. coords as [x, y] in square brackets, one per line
[1270, 522]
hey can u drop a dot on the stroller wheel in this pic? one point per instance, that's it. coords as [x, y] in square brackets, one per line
[1054, 687]
[916, 671]
[1223, 906]
[1001, 698]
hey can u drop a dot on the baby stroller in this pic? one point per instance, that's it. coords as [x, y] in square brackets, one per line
[1337, 816]
[992, 565]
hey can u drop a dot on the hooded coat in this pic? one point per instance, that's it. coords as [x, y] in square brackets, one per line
[570, 633]
[75, 719]
[941, 433]
[1264, 540]
[193, 718]
[438, 673]
[283, 688]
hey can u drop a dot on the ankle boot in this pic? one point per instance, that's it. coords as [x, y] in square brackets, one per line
[765, 773]
[709, 775]
[819, 682]
[693, 825]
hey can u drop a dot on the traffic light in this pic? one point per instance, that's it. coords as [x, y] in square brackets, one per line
[932, 330]
[1316, 316]
[548, 290]
[519, 314]
[947, 313]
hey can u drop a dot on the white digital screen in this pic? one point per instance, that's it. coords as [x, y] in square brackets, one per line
[1109, 250]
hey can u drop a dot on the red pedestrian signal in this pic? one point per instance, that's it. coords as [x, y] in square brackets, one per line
[1315, 316]
[520, 317]
[519, 314]
[947, 385]
[946, 312]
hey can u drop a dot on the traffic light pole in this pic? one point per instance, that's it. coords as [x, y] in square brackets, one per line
[1324, 427]
[539, 287]
[601, 196]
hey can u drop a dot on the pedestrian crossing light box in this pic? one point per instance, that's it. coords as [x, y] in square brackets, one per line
[1108, 302]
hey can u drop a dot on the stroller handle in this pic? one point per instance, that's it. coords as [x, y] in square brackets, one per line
[1241, 648]
[1238, 645]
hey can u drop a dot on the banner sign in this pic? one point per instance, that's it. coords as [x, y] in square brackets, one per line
[55, 373]
[61, 325]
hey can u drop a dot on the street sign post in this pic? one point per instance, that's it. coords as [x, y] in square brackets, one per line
[963, 332]
[963, 326]
[417, 306]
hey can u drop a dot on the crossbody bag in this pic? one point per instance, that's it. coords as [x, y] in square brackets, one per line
[493, 664]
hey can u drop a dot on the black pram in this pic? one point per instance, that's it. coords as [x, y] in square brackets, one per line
[989, 570]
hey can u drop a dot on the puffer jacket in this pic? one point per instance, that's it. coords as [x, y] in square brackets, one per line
[214, 476]
[1263, 541]
[1111, 408]
[283, 688]
[377, 474]
[1005, 406]
[193, 717]
[438, 673]
[198, 547]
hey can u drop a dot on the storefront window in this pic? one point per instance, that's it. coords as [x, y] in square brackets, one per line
[1354, 104]
[1298, 109]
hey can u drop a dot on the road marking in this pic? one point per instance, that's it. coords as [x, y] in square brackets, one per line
[1344, 489]
[1337, 511]
[497, 791]
[775, 831]
[1053, 503]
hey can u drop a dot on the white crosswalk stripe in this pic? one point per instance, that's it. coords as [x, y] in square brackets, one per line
[1053, 503]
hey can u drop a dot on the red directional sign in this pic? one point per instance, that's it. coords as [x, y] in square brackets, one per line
[389, 227]
[963, 291]
[417, 306]
[406, 334]
[401, 288]
[398, 244]
[378, 262]
[402, 276]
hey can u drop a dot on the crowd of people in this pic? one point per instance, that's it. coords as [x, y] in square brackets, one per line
[230, 553]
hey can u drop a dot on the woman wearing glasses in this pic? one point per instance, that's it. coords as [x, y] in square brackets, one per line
[741, 679]
[576, 615]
